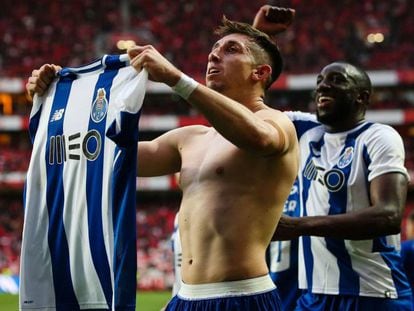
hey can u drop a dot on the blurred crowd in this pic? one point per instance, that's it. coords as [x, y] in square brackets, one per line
[72, 33]
[75, 32]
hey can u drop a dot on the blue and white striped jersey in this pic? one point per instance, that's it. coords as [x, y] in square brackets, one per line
[335, 172]
[79, 235]
[282, 257]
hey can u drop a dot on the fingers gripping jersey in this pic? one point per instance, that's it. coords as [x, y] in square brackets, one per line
[79, 236]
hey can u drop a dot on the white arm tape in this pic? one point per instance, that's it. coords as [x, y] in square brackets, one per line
[185, 86]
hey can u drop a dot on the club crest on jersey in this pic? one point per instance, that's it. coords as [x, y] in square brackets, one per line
[346, 158]
[99, 106]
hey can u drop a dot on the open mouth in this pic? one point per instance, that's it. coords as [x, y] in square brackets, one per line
[212, 71]
[324, 100]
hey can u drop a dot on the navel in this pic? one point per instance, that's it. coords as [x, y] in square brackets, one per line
[220, 170]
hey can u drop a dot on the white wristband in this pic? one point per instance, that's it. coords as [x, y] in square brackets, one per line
[185, 86]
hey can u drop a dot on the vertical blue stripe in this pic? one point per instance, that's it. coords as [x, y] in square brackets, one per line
[58, 244]
[34, 124]
[306, 240]
[302, 126]
[394, 262]
[124, 214]
[94, 181]
[338, 203]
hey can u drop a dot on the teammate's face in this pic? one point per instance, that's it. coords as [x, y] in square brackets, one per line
[230, 64]
[336, 94]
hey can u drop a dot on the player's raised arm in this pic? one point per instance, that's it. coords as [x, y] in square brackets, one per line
[273, 20]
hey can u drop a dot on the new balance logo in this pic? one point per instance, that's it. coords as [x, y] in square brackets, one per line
[57, 115]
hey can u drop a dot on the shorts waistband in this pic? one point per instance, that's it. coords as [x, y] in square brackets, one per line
[253, 286]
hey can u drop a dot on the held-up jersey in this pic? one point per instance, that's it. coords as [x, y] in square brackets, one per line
[79, 235]
[335, 172]
[282, 257]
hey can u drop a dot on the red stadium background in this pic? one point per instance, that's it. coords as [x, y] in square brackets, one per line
[376, 35]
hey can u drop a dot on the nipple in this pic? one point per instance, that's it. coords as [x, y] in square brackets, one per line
[220, 170]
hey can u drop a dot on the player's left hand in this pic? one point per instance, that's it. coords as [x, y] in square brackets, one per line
[273, 20]
[158, 67]
[40, 79]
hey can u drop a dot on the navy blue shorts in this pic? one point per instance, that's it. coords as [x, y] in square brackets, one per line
[321, 302]
[258, 294]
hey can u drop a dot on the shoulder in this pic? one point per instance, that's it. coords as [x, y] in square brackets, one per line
[302, 121]
[277, 118]
[378, 135]
[184, 132]
[300, 116]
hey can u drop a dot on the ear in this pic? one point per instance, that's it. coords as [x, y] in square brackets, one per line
[363, 97]
[262, 73]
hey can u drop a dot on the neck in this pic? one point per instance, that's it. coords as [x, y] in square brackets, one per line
[338, 128]
[251, 100]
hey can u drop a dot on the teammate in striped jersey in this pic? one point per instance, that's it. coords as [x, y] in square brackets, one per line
[353, 190]
[79, 235]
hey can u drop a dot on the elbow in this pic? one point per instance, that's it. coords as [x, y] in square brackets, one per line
[393, 222]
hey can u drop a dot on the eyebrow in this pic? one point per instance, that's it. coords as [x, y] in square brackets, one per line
[230, 42]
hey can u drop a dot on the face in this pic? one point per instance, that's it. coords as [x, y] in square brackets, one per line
[336, 96]
[230, 64]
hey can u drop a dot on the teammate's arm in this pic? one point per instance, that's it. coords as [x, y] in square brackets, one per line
[235, 122]
[273, 20]
[388, 195]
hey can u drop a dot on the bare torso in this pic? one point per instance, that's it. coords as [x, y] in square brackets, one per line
[232, 201]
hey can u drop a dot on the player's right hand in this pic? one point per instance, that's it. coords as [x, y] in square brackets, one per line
[158, 67]
[40, 79]
[273, 20]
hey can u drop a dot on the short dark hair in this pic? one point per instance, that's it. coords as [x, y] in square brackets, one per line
[274, 59]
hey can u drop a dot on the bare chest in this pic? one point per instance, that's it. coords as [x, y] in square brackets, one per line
[210, 158]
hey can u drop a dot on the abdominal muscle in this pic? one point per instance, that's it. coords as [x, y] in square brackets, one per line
[224, 237]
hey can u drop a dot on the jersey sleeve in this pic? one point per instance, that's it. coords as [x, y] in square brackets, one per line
[303, 121]
[126, 108]
[385, 152]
